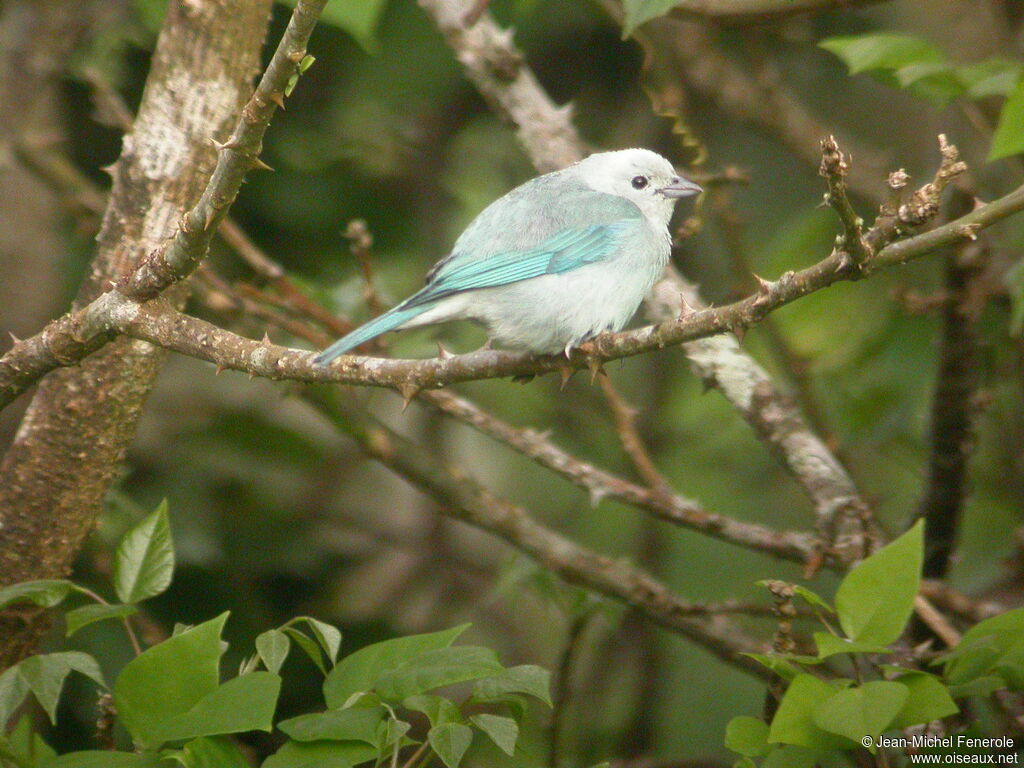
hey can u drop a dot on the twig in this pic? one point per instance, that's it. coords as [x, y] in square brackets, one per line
[274, 274]
[689, 54]
[237, 156]
[835, 170]
[563, 693]
[600, 484]
[936, 622]
[360, 240]
[629, 436]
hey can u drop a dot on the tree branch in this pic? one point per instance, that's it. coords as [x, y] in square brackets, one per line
[149, 322]
[76, 334]
[462, 498]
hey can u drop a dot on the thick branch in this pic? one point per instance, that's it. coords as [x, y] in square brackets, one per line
[497, 69]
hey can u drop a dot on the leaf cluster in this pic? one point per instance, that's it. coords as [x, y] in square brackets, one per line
[176, 708]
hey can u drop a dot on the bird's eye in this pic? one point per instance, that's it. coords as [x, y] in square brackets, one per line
[639, 182]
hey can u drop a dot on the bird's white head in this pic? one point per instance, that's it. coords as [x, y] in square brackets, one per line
[639, 175]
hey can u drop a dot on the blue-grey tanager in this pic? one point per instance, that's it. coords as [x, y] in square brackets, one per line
[554, 262]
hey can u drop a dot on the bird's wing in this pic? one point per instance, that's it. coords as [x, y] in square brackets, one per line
[566, 250]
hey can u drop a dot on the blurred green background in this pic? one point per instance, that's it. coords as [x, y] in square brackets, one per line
[276, 514]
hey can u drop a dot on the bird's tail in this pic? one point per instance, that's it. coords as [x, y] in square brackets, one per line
[389, 321]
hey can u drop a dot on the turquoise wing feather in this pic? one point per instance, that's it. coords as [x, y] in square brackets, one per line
[566, 250]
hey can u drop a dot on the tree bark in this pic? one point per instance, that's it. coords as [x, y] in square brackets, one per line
[69, 447]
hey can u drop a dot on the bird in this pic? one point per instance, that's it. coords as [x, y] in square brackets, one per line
[554, 262]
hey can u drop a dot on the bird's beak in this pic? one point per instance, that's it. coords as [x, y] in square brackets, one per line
[680, 187]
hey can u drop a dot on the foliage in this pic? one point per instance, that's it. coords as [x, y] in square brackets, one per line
[825, 712]
[177, 709]
[906, 61]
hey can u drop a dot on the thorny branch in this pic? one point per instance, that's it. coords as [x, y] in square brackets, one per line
[73, 336]
[462, 498]
[67, 339]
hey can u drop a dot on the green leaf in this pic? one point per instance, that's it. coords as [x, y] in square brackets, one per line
[99, 758]
[359, 671]
[450, 741]
[637, 12]
[830, 645]
[526, 678]
[782, 667]
[13, 690]
[876, 598]
[881, 51]
[358, 19]
[928, 700]
[272, 647]
[311, 647]
[789, 756]
[353, 724]
[215, 752]
[812, 598]
[747, 736]
[243, 704]
[935, 81]
[90, 614]
[862, 711]
[979, 686]
[44, 675]
[1009, 136]
[503, 731]
[438, 709]
[144, 563]
[329, 637]
[24, 740]
[992, 77]
[794, 721]
[168, 680]
[321, 754]
[434, 669]
[992, 646]
[45, 593]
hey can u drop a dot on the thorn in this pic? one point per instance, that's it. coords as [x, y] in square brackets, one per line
[14, 338]
[278, 99]
[739, 332]
[259, 165]
[443, 353]
[265, 341]
[218, 145]
[764, 287]
[685, 308]
[109, 169]
[596, 366]
[565, 371]
[408, 391]
[208, 221]
[251, 375]
[220, 369]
